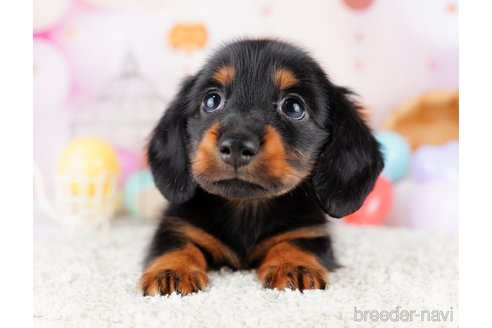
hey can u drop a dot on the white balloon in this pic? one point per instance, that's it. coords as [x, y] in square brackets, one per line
[433, 21]
[98, 42]
[434, 206]
[46, 13]
[51, 77]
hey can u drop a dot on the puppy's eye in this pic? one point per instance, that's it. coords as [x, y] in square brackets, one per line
[293, 108]
[212, 102]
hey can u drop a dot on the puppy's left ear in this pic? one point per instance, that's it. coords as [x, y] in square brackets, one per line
[350, 161]
[168, 150]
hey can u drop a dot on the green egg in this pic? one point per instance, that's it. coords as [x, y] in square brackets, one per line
[134, 186]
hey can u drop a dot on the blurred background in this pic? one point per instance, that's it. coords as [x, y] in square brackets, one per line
[104, 71]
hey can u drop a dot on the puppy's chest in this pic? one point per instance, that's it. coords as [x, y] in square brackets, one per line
[243, 229]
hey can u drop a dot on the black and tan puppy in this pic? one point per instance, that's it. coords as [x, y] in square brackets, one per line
[251, 154]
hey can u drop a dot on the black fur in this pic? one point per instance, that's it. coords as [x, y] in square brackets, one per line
[168, 150]
[350, 160]
[337, 148]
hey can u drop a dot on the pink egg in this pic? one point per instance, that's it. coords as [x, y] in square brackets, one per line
[376, 205]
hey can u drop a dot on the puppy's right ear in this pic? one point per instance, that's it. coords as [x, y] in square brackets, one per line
[168, 149]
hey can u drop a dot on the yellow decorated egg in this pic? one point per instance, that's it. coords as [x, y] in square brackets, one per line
[90, 165]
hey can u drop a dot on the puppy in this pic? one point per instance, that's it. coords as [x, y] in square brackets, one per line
[253, 151]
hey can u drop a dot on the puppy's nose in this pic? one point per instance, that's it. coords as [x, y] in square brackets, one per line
[237, 150]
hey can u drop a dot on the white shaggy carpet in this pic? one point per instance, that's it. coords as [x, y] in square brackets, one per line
[90, 280]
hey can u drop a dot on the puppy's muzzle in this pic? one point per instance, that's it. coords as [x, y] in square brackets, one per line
[238, 149]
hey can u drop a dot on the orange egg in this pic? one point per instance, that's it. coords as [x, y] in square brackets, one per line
[188, 36]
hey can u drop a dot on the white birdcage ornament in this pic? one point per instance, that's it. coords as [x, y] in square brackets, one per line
[121, 116]
[123, 113]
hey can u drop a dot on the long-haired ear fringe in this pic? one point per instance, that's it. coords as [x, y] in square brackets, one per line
[350, 161]
[168, 151]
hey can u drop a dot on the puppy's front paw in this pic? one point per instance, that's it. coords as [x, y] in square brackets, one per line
[182, 271]
[287, 266]
[168, 280]
[289, 275]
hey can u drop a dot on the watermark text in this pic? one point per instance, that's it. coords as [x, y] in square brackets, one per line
[403, 315]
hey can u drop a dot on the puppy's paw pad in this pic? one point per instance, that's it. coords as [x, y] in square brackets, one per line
[167, 281]
[293, 276]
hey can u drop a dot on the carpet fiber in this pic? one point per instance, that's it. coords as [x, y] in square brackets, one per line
[90, 280]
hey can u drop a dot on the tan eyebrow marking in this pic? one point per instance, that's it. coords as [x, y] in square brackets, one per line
[224, 75]
[284, 78]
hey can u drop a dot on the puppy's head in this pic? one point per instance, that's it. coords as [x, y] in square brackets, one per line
[260, 118]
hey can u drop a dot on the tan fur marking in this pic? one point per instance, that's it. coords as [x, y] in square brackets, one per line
[284, 79]
[260, 250]
[218, 250]
[185, 269]
[270, 163]
[287, 266]
[206, 153]
[274, 154]
[224, 75]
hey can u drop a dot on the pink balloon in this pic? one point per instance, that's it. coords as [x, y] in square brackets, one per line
[129, 163]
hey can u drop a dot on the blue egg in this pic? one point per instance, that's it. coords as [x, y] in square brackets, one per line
[134, 186]
[397, 154]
